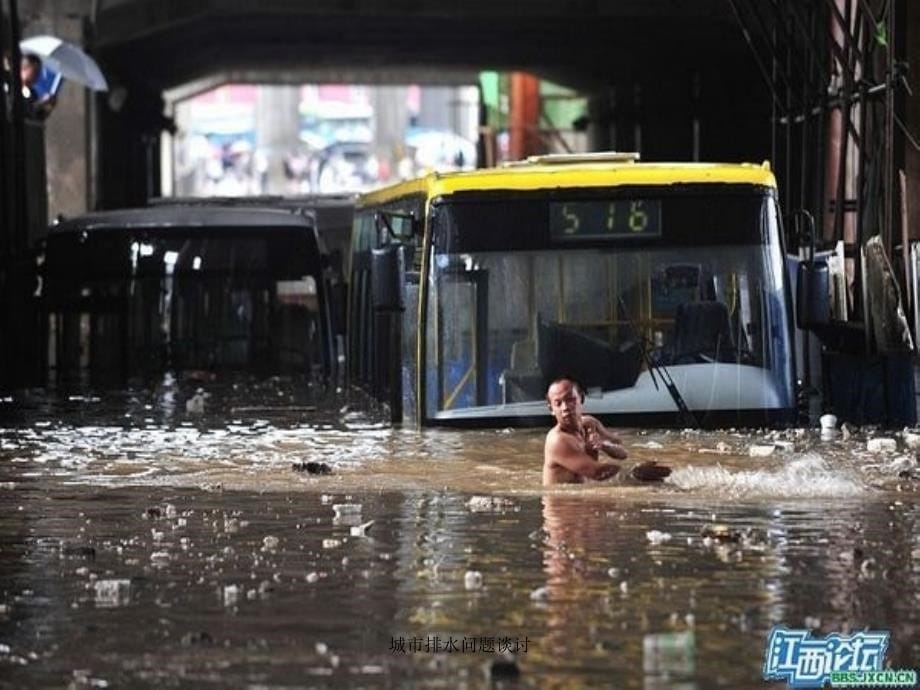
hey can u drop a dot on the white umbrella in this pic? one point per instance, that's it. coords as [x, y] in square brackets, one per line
[67, 59]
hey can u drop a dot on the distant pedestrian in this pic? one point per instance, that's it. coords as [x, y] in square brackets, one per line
[37, 107]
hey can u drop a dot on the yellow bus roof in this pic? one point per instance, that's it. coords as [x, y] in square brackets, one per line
[576, 175]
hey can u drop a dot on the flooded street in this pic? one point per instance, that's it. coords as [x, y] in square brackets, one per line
[164, 537]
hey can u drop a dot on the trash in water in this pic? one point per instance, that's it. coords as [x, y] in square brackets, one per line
[230, 595]
[347, 514]
[472, 579]
[722, 448]
[311, 467]
[484, 504]
[361, 530]
[160, 559]
[881, 445]
[505, 668]
[812, 622]
[195, 404]
[912, 440]
[110, 593]
[828, 421]
[540, 594]
[269, 543]
[79, 551]
[669, 654]
[656, 537]
[722, 533]
[761, 451]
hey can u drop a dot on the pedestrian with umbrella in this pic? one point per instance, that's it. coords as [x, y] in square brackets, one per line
[66, 60]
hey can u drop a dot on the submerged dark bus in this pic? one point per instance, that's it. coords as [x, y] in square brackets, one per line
[660, 287]
[139, 291]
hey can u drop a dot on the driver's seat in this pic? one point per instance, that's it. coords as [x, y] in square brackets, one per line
[702, 333]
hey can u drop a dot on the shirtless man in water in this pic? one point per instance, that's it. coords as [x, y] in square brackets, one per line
[574, 444]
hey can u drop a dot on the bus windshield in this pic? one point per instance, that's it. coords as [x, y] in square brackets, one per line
[607, 288]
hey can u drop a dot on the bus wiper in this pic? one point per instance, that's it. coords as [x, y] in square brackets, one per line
[686, 416]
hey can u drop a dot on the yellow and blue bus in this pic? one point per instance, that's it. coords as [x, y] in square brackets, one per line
[660, 287]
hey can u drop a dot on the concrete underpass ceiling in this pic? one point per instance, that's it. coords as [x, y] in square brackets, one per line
[583, 43]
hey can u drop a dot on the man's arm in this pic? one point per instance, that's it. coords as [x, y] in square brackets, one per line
[564, 451]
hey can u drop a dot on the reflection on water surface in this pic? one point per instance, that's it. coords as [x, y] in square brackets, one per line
[143, 542]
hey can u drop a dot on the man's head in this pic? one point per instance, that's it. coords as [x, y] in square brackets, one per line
[565, 398]
[29, 69]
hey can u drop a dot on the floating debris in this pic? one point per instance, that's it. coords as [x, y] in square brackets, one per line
[504, 668]
[361, 530]
[720, 533]
[485, 504]
[160, 559]
[540, 594]
[111, 593]
[912, 440]
[881, 445]
[761, 451]
[651, 445]
[657, 537]
[828, 421]
[195, 404]
[269, 543]
[196, 638]
[230, 595]
[311, 467]
[79, 551]
[472, 579]
[669, 654]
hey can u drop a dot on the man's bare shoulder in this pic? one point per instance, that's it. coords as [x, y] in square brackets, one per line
[554, 437]
[558, 441]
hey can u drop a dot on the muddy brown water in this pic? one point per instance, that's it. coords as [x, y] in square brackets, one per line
[144, 543]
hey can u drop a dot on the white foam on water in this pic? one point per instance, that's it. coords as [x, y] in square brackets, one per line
[808, 476]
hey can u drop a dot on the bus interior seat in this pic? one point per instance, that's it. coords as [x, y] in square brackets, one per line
[702, 332]
[522, 380]
[524, 355]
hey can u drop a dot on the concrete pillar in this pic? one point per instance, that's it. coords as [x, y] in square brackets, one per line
[66, 141]
[525, 116]
[391, 117]
[277, 130]
[600, 122]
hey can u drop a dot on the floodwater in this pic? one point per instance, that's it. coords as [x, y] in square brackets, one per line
[156, 538]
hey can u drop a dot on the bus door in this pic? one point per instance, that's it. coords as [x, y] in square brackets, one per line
[462, 338]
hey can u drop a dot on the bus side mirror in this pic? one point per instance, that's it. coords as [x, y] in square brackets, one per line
[813, 278]
[813, 296]
[388, 276]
